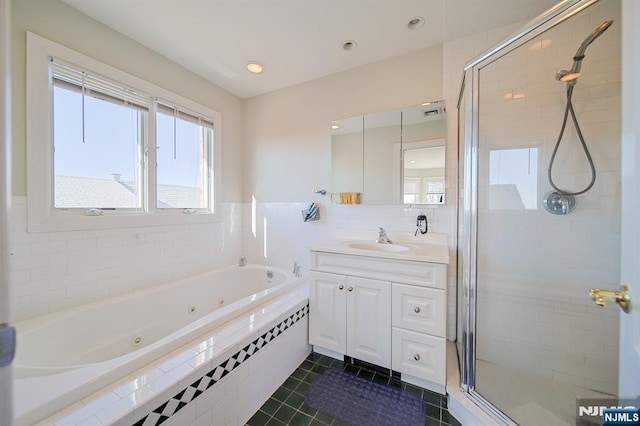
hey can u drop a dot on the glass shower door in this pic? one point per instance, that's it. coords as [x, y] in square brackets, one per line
[540, 341]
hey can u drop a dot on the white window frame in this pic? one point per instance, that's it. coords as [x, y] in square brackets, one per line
[41, 214]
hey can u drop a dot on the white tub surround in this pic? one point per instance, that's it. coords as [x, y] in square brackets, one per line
[145, 326]
[384, 304]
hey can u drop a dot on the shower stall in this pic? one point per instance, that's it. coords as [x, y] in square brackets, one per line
[539, 216]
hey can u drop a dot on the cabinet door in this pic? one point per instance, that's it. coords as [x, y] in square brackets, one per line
[327, 311]
[369, 320]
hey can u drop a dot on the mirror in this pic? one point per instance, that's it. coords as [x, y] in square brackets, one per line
[347, 145]
[390, 157]
[423, 153]
[382, 133]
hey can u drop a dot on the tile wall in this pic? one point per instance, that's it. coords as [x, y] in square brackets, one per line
[535, 268]
[456, 53]
[51, 271]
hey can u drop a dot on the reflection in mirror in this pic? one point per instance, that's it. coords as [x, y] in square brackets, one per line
[513, 178]
[423, 173]
[382, 133]
[347, 159]
[423, 153]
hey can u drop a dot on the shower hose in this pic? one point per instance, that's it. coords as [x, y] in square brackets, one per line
[569, 109]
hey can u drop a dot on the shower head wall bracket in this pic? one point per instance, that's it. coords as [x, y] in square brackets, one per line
[558, 203]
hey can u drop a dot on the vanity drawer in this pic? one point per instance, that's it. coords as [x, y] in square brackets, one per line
[419, 355]
[399, 270]
[420, 309]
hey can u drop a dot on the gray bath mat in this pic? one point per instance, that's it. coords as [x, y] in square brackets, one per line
[357, 401]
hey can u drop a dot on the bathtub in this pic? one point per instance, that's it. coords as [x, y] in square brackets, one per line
[64, 356]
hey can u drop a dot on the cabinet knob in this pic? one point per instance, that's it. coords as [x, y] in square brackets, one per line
[341, 287]
[350, 288]
[417, 310]
[416, 357]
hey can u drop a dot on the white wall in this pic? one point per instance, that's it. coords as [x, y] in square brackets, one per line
[56, 270]
[291, 127]
[630, 229]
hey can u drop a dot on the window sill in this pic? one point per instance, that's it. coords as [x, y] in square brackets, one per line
[69, 221]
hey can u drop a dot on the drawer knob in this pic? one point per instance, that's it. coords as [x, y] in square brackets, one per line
[416, 357]
[350, 289]
[341, 287]
[417, 310]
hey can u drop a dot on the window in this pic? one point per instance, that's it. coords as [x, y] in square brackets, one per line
[117, 147]
[98, 134]
[183, 143]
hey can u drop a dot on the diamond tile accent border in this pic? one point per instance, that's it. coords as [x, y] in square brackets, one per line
[169, 408]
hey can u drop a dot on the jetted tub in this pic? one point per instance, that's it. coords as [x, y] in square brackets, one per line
[62, 357]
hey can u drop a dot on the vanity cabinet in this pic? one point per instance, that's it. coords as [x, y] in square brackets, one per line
[418, 334]
[351, 316]
[386, 311]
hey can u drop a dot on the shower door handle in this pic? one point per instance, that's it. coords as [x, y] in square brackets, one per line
[621, 297]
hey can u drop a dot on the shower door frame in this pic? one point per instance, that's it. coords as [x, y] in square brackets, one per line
[468, 229]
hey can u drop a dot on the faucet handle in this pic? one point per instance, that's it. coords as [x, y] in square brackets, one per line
[383, 233]
[296, 270]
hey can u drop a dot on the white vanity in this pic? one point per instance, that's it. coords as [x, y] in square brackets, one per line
[384, 304]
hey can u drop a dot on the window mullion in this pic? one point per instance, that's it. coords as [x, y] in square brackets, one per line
[150, 169]
[209, 164]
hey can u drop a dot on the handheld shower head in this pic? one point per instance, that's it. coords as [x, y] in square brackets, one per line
[590, 38]
[579, 56]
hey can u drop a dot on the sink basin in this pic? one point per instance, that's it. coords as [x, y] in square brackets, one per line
[393, 248]
[427, 248]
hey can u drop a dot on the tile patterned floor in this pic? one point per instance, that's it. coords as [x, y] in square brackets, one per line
[286, 406]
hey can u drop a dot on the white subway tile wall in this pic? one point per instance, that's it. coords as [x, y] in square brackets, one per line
[455, 54]
[535, 268]
[52, 271]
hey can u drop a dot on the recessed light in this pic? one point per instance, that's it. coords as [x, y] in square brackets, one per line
[254, 68]
[349, 45]
[426, 104]
[335, 127]
[415, 23]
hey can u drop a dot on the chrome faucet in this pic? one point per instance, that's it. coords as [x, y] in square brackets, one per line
[296, 270]
[242, 261]
[382, 238]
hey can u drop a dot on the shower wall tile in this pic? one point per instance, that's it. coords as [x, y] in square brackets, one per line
[52, 271]
[534, 268]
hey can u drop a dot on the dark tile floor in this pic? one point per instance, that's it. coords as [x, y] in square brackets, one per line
[286, 406]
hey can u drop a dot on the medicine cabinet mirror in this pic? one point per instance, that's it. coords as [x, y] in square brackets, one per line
[390, 157]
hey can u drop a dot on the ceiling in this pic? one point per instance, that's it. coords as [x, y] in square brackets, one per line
[295, 40]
